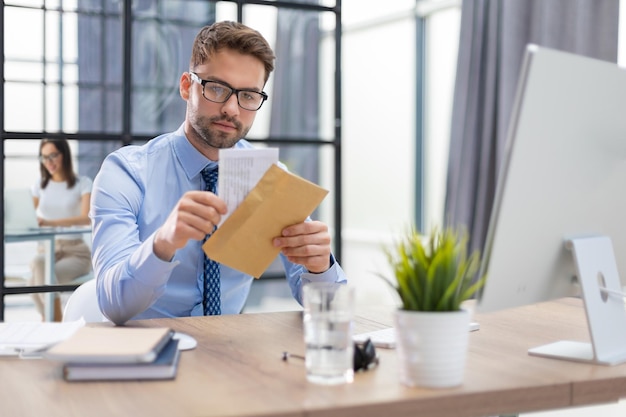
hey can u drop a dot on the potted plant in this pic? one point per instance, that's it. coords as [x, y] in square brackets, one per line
[433, 275]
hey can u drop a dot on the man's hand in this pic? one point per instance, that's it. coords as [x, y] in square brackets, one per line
[194, 216]
[307, 244]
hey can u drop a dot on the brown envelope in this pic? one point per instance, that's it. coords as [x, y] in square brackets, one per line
[244, 241]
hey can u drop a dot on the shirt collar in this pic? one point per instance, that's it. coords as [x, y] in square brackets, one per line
[191, 160]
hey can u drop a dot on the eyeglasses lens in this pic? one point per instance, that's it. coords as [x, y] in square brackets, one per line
[218, 93]
[49, 158]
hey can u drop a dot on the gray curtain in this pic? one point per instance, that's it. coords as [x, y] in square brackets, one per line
[295, 96]
[494, 34]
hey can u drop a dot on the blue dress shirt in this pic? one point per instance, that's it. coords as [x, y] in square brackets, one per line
[134, 192]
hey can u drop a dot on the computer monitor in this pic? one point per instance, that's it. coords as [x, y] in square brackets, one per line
[558, 224]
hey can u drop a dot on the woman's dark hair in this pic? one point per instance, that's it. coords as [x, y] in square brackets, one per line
[67, 169]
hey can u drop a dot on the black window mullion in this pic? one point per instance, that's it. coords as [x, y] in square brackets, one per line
[127, 37]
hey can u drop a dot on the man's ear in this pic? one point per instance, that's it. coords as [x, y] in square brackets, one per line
[184, 85]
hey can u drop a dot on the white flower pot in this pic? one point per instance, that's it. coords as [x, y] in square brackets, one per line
[432, 347]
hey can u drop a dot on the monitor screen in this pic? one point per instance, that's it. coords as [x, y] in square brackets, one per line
[563, 176]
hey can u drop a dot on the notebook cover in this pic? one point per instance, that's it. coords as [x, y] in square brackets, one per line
[111, 345]
[163, 367]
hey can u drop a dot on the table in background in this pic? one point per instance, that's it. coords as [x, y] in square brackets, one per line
[47, 235]
[237, 370]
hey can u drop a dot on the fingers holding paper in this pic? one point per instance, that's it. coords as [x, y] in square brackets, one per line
[306, 244]
[194, 216]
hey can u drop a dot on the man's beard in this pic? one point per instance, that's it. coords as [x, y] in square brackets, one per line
[215, 138]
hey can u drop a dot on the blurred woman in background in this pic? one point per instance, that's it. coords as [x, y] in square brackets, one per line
[61, 199]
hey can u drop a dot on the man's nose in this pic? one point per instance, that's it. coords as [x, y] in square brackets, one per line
[231, 106]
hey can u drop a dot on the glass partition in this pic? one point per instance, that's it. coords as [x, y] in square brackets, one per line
[104, 74]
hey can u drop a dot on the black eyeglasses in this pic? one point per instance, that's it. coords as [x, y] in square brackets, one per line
[51, 157]
[219, 92]
[365, 357]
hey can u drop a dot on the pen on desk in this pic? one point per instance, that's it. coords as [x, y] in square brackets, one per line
[287, 355]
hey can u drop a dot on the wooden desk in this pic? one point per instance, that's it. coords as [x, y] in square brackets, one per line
[237, 370]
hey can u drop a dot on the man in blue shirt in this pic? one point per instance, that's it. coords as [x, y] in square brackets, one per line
[149, 214]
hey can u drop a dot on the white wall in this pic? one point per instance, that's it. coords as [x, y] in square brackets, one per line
[379, 105]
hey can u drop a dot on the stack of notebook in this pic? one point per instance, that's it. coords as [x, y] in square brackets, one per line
[117, 353]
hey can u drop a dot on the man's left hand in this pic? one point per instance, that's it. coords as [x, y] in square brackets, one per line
[307, 244]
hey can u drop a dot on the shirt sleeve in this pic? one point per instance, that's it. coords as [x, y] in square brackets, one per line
[297, 276]
[130, 276]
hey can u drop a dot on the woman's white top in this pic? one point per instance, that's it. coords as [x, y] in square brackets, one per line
[57, 201]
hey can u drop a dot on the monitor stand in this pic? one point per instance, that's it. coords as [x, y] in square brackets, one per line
[604, 306]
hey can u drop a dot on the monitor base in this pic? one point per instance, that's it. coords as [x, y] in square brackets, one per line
[572, 351]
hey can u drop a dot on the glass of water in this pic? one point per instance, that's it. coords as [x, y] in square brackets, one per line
[328, 314]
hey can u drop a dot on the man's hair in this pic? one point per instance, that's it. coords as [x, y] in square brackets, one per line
[235, 36]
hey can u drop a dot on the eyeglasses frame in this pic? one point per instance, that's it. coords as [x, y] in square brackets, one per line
[49, 158]
[202, 82]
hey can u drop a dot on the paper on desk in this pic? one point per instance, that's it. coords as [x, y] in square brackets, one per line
[240, 170]
[23, 338]
[244, 241]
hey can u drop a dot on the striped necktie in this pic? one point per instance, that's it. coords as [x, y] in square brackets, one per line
[211, 302]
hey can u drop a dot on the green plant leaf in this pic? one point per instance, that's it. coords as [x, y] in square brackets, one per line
[434, 273]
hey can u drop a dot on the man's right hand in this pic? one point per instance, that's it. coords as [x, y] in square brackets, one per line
[194, 216]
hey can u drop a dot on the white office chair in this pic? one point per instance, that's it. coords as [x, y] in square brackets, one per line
[84, 303]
